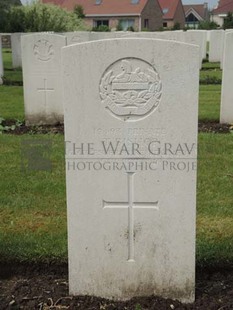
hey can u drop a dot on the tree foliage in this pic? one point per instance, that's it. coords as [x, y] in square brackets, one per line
[207, 25]
[78, 10]
[228, 21]
[5, 6]
[39, 17]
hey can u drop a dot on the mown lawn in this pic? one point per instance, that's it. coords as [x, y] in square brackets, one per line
[9, 73]
[33, 204]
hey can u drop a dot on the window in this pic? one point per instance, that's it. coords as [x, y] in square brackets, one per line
[126, 23]
[165, 11]
[98, 2]
[104, 22]
[134, 1]
[191, 18]
[165, 25]
[146, 23]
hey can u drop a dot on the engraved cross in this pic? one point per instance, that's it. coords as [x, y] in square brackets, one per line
[45, 90]
[130, 205]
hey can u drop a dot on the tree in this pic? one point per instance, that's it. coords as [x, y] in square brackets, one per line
[5, 6]
[78, 10]
[228, 21]
[39, 17]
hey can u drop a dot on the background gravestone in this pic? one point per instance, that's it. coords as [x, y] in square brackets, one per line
[77, 37]
[131, 134]
[41, 55]
[216, 45]
[199, 38]
[1, 61]
[226, 114]
[16, 50]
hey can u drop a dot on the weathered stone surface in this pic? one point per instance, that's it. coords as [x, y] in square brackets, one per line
[199, 38]
[226, 115]
[42, 78]
[131, 134]
[216, 45]
[1, 62]
[16, 49]
[77, 37]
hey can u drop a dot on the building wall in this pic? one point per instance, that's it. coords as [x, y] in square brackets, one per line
[113, 21]
[170, 23]
[153, 13]
[217, 19]
[179, 15]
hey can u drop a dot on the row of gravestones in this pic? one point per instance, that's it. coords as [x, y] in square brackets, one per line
[131, 115]
[42, 64]
[197, 37]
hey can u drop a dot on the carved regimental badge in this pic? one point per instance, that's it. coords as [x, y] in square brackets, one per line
[130, 89]
[43, 50]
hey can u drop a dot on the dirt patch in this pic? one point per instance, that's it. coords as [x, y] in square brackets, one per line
[214, 127]
[46, 287]
[16, 128]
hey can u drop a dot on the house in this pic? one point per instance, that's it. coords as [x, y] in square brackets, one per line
[219, 13]
[195, 13]
[136, 14]
[173, 13]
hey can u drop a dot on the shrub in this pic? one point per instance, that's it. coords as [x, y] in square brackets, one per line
[207, 25]
[131, 28]
[102, 28]
[176, 26]
[78, 10]
[228, 21]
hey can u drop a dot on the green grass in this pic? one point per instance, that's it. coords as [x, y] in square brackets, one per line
[33, 204]
[212, 65]
[216, 73]
[11, 98]
[215, 200]
[209, 102]
[10, 74]
[11, 102]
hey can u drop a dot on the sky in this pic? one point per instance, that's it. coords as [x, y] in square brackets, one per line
[211, 3]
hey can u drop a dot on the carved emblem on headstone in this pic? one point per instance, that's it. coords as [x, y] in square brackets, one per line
[43, 50]
[130, 89]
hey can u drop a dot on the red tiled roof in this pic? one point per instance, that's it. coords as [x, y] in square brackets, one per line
[224, 6]
[106, 7]
[199, 8]
[168, 8]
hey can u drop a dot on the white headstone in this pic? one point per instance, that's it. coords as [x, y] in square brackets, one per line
[1, 62]
[77, 37]
[16, 49]
[98, 35]
[41, 56]
[131, 134]
[216, 45]
[178, 36]
[226, 115]
[197, 37]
